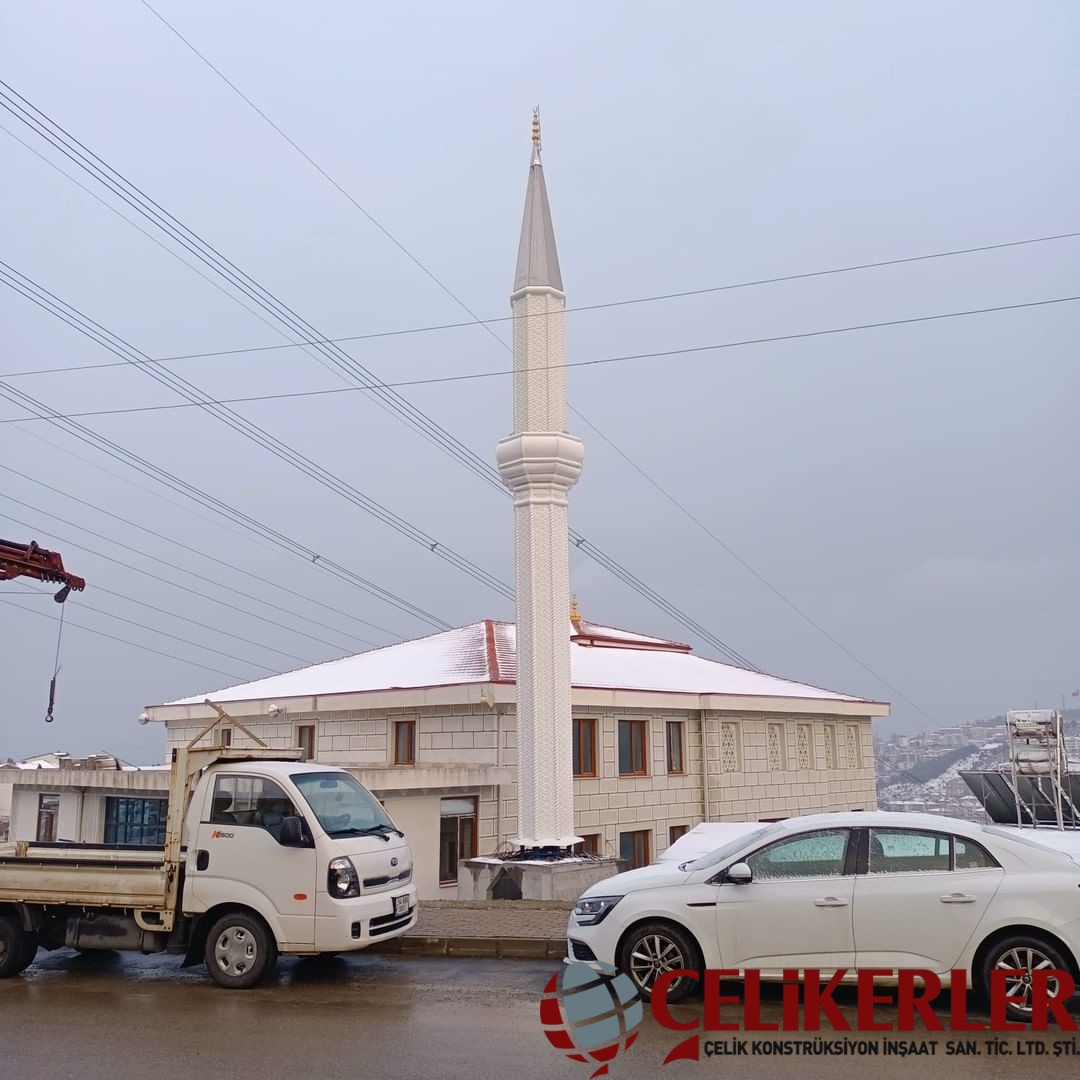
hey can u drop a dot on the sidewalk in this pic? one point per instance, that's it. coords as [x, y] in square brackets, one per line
[494, 928]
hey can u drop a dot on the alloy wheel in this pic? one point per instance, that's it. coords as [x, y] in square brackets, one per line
[1024, 961]
[652, 956]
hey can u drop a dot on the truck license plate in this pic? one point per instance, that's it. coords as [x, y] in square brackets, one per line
[401, 905]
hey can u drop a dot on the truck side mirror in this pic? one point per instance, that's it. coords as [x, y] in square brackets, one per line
[291, 832]
[739, 874]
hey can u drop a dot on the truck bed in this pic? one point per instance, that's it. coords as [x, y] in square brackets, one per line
[83, 875]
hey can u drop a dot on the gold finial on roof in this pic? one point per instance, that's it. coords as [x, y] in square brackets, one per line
[536, 127]
[575, 611]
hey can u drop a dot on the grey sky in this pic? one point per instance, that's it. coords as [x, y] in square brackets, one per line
[913, 489]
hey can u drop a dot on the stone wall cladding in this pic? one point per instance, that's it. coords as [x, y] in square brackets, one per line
[609, 804]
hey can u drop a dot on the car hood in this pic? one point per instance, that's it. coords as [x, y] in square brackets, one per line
[375, 859]
[653, 876]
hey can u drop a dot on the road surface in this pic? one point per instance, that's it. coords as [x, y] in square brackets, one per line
[110, 1017]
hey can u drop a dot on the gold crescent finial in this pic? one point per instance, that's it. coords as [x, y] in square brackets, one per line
[575, 611]
[536, 127]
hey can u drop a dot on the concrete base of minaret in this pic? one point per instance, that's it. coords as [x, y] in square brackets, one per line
[519, 879]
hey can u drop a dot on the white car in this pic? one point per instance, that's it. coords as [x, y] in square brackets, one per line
[842, 890]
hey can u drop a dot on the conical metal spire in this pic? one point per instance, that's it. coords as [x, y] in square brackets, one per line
[538, 261]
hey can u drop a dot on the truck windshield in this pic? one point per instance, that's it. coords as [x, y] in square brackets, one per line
[342, 804]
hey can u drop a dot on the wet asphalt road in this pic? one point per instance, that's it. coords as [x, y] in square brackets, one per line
[102, 1016]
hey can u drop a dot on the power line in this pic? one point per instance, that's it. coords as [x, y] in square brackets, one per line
[482, 322]
[181, 487]
[221, 562]
[39, 295]
[79, 154]
[163, 580]
[503, 372]
[124, 641]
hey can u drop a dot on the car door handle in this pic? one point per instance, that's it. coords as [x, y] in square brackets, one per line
[202, 859]
[958, 898]
[830, 901]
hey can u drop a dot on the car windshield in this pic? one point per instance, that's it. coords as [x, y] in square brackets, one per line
[729, 849]
[343, 805]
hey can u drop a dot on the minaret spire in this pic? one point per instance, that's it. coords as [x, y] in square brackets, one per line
[539, 463]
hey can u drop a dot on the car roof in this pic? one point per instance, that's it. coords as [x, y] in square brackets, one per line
[895, 819]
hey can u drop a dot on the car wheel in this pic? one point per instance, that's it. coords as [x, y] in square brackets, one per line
[240, 951]
[17, 947]
[1023, 953]
[652, 949]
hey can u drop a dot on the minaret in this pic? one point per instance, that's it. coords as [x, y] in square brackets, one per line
[539, 463]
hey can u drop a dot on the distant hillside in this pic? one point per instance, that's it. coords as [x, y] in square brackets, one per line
[934, 767]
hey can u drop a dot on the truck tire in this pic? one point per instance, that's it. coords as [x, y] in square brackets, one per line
[18, 947]
[240, 951]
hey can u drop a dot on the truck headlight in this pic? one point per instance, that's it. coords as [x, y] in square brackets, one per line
[341, 879]
[594, 909]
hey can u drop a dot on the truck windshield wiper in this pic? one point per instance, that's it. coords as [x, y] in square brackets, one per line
[371, 830]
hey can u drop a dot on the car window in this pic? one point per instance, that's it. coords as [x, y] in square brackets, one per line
[713, 858]
[968, 855]
[250, 800]
[907, 851]
[817, 854]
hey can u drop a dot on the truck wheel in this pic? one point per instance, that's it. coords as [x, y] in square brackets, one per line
[240, 951]
[17, 948]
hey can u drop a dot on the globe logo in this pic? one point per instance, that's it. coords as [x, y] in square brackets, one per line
[591, 1013]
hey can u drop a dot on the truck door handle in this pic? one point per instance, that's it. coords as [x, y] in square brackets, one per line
[958, 898]
[830, 901]
[202, 859]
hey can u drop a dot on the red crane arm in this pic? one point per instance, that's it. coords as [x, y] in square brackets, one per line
[32, 561]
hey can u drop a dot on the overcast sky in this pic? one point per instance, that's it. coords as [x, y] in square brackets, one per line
[913, 489]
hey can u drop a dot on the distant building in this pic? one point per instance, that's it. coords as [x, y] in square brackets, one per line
[663, 739]
[55, 797]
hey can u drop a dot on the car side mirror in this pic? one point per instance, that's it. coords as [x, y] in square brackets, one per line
[739, 874]
[291, 833]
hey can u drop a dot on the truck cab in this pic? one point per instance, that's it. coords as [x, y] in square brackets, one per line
[307, 848]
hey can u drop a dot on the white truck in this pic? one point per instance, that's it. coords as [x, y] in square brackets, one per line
[263, 855]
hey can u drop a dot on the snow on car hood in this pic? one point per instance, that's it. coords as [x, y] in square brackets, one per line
[653, 876]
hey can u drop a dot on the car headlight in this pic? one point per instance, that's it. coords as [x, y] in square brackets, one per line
[341, 879]
[594, 909]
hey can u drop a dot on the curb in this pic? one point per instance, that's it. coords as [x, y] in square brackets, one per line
[490, 948]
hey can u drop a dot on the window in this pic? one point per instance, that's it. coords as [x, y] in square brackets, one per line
[305, 739]
[906, 851]
[729, 747]
[804, 741]
[341, 803]
[47, 816]
[591, 844]
[250, 800]
[674, 738]
[226, 736]
[817, 854]
[830, 746]
[634, 848]
[774, 745]
[457, 836]
[633, 747]
[853, 755]
[135, 822]
[675, 831]
[584, 746]
[967, 855]
[404, 742]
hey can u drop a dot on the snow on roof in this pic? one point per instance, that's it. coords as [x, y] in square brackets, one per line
[484, 652]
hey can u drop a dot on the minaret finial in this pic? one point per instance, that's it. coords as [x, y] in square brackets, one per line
[575, 611]
[536, 136]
